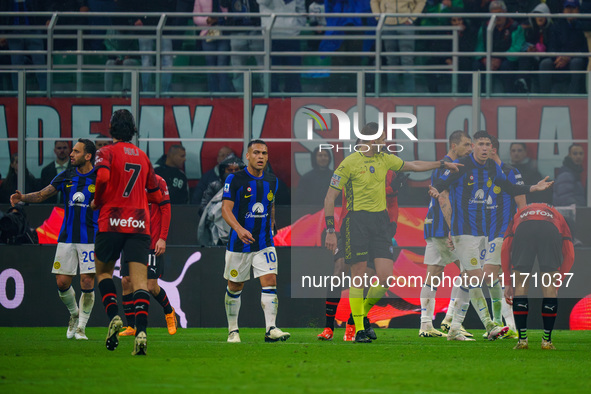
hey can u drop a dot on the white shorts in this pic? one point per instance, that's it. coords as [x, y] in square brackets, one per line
[238, 264]
[493, 252]
[468, 249]
[437, 252]
[69, 256]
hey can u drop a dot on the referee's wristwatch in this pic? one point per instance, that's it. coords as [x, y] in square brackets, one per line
[330, 231]
[441, 164]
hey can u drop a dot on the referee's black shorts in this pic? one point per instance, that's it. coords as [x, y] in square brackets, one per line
[108, 246]
[536, 238]
[366, 236]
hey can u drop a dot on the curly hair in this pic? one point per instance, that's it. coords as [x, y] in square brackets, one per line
[122, 126]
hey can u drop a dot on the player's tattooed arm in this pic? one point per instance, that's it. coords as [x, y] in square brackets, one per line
[445, 205]
[34, 197]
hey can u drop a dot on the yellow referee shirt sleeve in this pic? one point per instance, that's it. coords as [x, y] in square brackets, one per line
[340, 176]
[395, 163]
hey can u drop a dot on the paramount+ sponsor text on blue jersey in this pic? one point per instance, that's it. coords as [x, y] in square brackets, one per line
[80, 221]
[435, 224]
[469, 191]
[501, 205]
[253, 199]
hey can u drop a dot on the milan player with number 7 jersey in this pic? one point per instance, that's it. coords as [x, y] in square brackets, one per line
[124, 173]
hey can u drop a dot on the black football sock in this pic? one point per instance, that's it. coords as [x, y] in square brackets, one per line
[129, 309]
[141, 300]
[549, 310]
[109, 297]
[163, 300]
[351, 321]
[520, 311]
[331, 310]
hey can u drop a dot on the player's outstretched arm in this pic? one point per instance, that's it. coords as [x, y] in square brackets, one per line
[35, 197]
[445, 205]
[541, 185]
[421, 166]
[244, 235]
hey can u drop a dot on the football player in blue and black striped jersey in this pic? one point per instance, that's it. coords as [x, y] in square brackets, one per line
[248, 207]
[76, 238]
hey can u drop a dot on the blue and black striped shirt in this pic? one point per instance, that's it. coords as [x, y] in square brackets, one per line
[253, 199]
[435, 224]
[501, 206]
[80, 221]
[469, 194]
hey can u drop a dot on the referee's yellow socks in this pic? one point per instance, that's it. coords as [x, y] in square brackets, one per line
[356, 302]
[374, 294]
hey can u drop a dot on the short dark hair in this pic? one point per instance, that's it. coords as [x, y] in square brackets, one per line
[518, 143]
[58, 141]
[176, 147]
[258, 141]
[494, 142]
[573, 145]
[89, 147]
[370, 129]
[456, 137]
[122, 125]
[481, 134]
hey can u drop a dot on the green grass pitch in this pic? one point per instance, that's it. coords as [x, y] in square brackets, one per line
[42, 360]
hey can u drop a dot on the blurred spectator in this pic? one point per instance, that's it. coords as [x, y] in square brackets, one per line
[103, 20]
[36, 23]
[315, 14]
[313, 185]
[216, 82]
[253, 42]
[397, 40]
[149, 43]
[127, 61]
[210, 176]
[284, 27]
[507, 37]
[230, 165]
[568, 187]
[68, 44]
[466, 43]
[61, 149]
[540, 34]
[172, 172]
[346, 82]
[529, 172]
[10, 183]
[571, 38]
[102, 140]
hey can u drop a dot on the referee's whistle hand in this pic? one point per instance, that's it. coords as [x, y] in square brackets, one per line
[331, 241]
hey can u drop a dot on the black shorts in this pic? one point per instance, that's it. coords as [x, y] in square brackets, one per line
[108, 246]
[155, 266]
[340, 254]
[366, 236]
[536, 238]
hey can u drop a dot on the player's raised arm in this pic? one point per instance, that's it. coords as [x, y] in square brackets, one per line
[422, 166]
[34, 197]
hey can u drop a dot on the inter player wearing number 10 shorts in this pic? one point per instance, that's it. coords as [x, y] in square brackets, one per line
[124, 173]
[248, 206]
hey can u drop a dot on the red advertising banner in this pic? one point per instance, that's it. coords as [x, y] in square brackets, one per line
[201, 124]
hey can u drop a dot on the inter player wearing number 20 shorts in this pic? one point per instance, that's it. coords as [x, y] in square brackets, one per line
[248, 207]
[124, 173]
